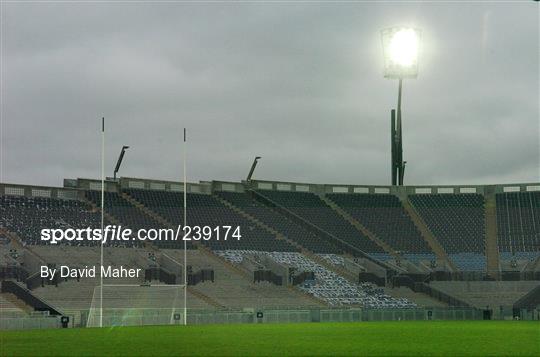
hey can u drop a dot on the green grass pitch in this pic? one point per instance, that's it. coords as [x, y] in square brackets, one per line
[399, 338]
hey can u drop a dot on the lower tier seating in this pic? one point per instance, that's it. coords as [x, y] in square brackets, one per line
[329, 286]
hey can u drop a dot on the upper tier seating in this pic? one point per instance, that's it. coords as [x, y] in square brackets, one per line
[27, 216]
[469, 261]
[457, 221]
[311, 208]
[279, 222]
[205, 210]
[518, 221]
[128, 215]
[384, 215]
[123, 210]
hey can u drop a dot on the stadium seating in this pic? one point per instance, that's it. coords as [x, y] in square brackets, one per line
[329, 286]
[457, 221]
[279, 222]
[27, 216]
[384, 215]
[311, 208]
[233, 290]
[416, 258]
[127, 214]
[469, 261]
[230, 289]
[206, 210]
[518, 223]
[121, 209]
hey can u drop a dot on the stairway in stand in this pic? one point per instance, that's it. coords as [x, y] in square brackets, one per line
[428, 236]
[492, 248]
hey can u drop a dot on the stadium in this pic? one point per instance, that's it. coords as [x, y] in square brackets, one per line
[179, 252]
[309, 253]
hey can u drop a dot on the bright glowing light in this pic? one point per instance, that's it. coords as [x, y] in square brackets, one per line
[403, 49]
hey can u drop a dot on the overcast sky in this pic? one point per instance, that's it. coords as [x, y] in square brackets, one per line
[300, 84]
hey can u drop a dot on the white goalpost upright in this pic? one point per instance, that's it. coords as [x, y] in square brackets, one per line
[102, 220]
[185, 242]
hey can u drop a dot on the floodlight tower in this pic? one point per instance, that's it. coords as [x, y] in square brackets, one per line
[401, 46]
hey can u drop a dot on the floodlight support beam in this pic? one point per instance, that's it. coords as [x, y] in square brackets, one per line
[119, 162]
[396, 141]
[255, 161]
[393, 146]
[399, 138]
[400, 90]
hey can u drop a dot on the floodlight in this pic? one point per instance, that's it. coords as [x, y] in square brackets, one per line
[401, 46]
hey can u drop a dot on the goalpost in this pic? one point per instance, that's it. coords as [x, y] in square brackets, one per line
[135, 304]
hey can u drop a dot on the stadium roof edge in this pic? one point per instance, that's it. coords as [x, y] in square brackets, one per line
[207, 187]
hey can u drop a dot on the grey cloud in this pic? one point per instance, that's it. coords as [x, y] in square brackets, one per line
[299, 84]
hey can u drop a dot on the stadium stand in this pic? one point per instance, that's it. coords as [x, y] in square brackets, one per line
[518, 224]
[311, 208]
[206, 210]
[310, 224]
[384, 215]
[124, 211]
[229, 289]
[74, 296]
[328, 286]
[234, 290]
[457, 220]
[278, 221]
[26, 216]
